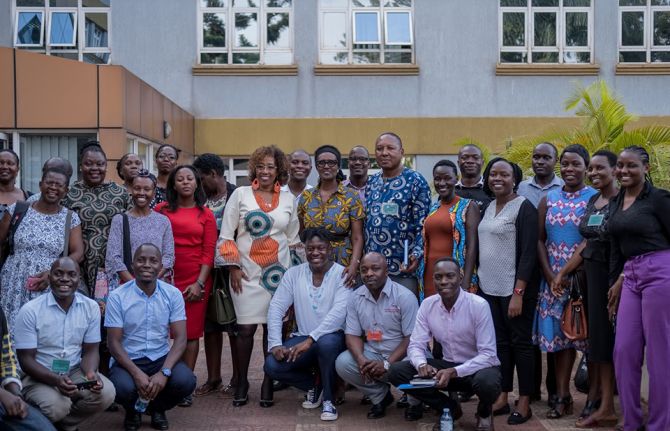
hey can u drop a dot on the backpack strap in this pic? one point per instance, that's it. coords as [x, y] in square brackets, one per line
[66, 240]
[127, 258]
[20, 211]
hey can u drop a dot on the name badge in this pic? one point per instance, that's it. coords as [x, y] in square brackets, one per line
[60, 366]
[390, 209]
[595, 220]
[374, 335]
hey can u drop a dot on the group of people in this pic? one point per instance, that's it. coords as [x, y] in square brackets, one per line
[364, 281]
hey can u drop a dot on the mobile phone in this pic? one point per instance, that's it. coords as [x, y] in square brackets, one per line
[32, 283]
[87, 384]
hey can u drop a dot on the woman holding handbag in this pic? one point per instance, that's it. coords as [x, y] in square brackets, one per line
[559, 214]
[639, 228]
[139, 225]
[594, 252]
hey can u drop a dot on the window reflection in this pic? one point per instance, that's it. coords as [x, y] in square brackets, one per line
[29, 28]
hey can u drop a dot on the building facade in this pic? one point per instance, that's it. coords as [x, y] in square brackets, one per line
[302, 73]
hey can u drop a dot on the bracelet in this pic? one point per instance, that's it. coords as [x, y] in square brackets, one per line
[200, 283]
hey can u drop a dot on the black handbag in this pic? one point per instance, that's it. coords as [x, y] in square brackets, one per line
[220, 308]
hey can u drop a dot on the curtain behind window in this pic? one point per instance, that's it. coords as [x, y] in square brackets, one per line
[36, 149]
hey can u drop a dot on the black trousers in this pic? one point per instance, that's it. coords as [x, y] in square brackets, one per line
[485, 383]
[514, 341]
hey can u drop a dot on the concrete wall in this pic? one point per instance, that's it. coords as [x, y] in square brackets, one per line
[6, 22]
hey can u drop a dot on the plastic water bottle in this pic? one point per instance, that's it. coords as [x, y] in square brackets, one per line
[141, 405]
[446, 421]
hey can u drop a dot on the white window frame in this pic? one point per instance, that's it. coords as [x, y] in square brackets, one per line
[16, 26]
[647, 32]
[79, 48]
[529, 48]
[379, 26]
[75, 27]
[411, 29]
[350, 12]
[229, 12]
[134, 143]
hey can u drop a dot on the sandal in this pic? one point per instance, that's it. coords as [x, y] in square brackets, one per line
[589, 408]
[591, 422]
[207, 388]
[562, 407]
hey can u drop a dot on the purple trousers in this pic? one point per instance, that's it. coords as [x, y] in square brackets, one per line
[643, 321]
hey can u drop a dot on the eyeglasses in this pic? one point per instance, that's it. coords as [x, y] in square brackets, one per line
[328, 163]
[265, 167]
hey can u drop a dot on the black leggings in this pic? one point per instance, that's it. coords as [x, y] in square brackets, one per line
[514, 341]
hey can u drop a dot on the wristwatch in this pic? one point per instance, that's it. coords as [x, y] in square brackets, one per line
[166, 372]
[387, 365]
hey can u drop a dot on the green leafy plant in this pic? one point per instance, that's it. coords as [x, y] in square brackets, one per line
[606, 124]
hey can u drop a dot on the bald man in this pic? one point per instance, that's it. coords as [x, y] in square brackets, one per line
[384, 312]
[300, 166]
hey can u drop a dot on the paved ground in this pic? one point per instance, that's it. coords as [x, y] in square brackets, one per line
[215, 412]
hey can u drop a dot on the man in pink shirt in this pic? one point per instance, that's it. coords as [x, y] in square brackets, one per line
[461, 322]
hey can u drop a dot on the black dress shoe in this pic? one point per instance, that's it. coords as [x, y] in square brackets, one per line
[159, 421]
[379, 410]
[516, 419]
[414, 413]
[133, 421]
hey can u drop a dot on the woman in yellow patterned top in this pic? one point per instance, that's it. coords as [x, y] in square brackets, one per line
[337, 208]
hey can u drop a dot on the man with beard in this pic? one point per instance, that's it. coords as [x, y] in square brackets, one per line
[383, 312]
[462, 323]
[57, 336]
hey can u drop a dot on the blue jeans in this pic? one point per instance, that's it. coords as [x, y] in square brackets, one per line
[179, 385]
[35, 421]
[321, 355]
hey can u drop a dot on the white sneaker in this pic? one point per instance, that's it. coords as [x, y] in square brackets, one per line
[328, 411]
[312, 398]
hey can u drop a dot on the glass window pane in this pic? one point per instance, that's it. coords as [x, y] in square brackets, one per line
[366, 27]
[246, 57]
[29, 28]
[576, 29]
[545, 29]
[660, 57]
[632, 2]
[514, 33]
[576, 3]
[96, 57]
[278, 31]
[213, 3]
[213, 58]
[272, 57]
[246, 30]
[397, 57]
[96, 30]
[246, 3]
[63, 3]
[513, 57]
[29, 3]
[514, 3]
[242, 180]
[545, 3]
[214, 30]
[366, 57]
[633, 57]
[398, 3]
[660, 2]
[397, 28]
[334, 33]
[577, 57]
[96, 3]
[545, 57]
[278, 3]
[62, 28]
[240, 164]
[333, 57]
[662, 28]
[632, 28]
[365, 3]
[333, 3]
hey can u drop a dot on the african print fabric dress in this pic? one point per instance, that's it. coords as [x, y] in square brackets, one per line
[336, 215]
[261, 248]
[564, 213]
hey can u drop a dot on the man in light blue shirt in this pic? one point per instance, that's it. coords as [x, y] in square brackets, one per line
[140, 317]
[543, 162]
[57, 338]
[317, 292]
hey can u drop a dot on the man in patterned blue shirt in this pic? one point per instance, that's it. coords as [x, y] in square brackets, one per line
[397, 202]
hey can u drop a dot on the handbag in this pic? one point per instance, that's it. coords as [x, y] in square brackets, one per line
[573, 320]
[220, 308]
[582, 376]
[127, 253]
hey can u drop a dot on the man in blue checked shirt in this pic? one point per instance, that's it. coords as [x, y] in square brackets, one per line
[140, 317]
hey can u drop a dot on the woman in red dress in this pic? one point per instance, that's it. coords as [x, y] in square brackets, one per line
[194, 230]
